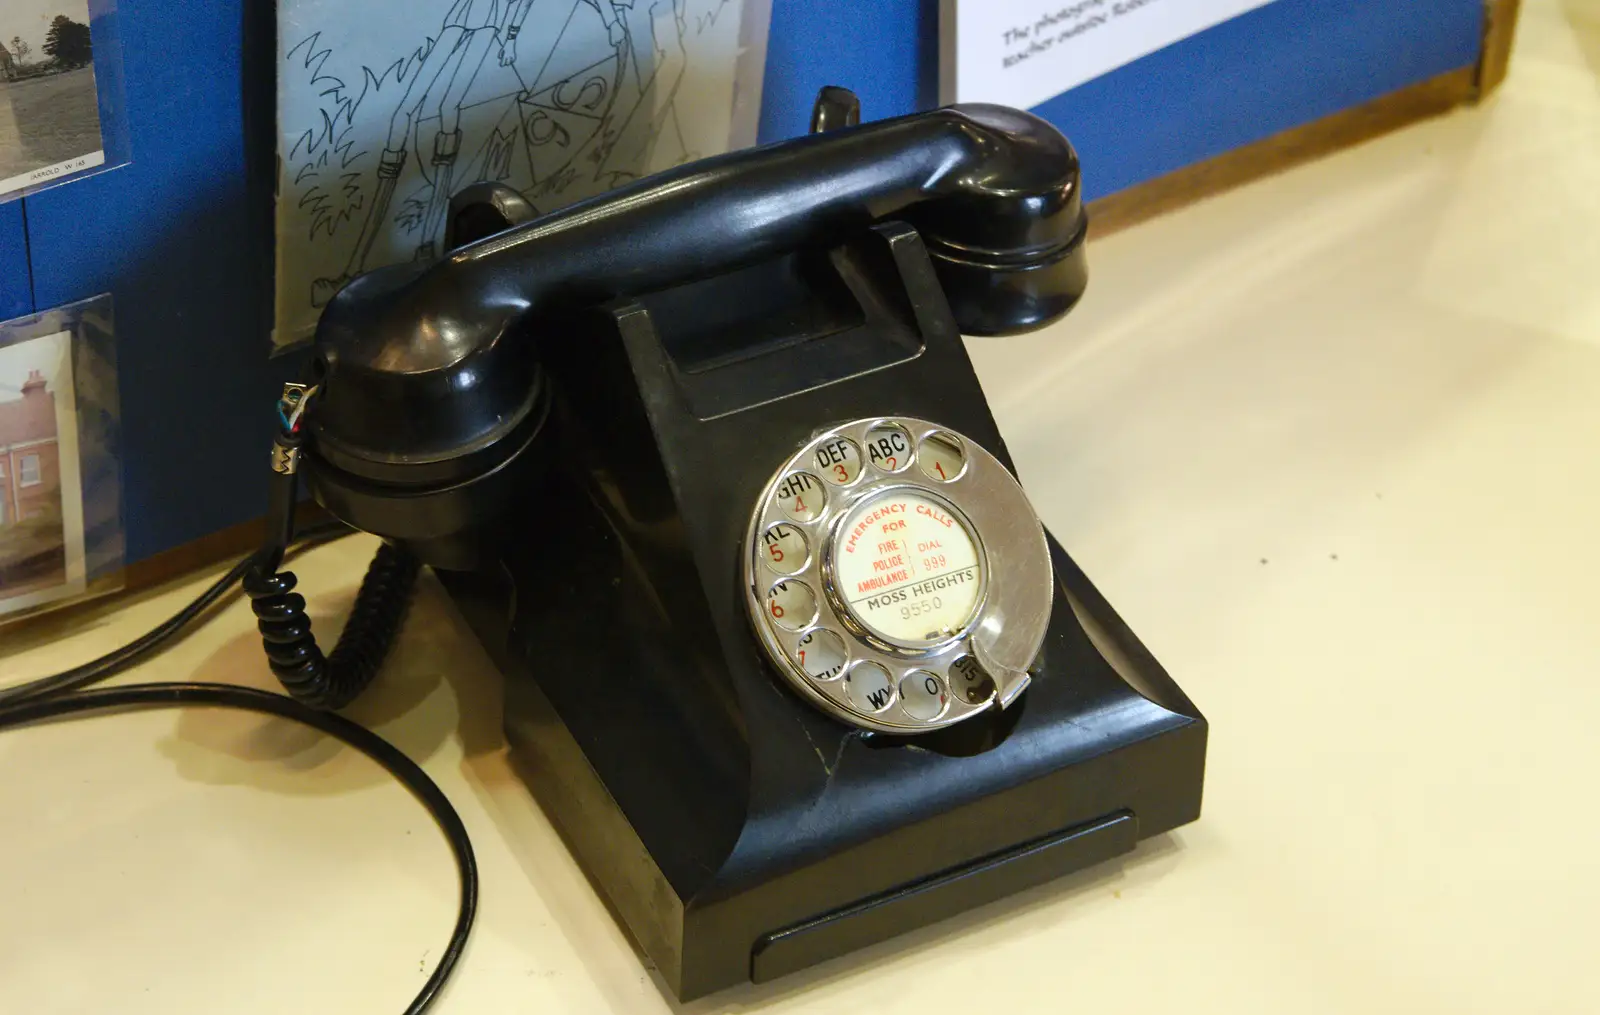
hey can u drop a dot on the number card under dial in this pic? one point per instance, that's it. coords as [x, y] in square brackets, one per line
[897, 576]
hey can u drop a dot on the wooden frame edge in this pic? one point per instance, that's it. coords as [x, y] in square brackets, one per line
[1343, 129]
[105, 595]
[1499, 33]
[1283, 150]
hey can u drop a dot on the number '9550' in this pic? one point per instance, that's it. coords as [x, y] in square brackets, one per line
[921, 606]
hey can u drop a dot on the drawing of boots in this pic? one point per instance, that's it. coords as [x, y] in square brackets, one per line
[390, 166]
[446, 146]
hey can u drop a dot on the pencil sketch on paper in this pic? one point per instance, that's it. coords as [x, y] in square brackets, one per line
[388, 107]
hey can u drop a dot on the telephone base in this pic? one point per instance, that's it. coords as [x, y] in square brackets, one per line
[1105, 750]
[738, 831]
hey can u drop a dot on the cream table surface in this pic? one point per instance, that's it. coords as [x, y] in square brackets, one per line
[1330, 443]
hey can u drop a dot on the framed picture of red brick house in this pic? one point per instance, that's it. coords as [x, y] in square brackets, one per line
[41, 486]
[61, 533]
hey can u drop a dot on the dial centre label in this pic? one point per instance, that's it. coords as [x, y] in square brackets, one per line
[907, 567]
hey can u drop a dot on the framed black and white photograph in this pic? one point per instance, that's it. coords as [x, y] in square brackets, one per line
[50, 126]
[41, 485]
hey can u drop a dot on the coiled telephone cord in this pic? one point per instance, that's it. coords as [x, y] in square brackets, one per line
[316, 684]
[335, 680]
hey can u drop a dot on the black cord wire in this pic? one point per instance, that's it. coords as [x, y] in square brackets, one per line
[163, 634]
[60, 695]
[167, 695]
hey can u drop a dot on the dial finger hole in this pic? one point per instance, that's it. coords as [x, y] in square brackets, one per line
[784, 548]
[838, 461]
[800, 496]
[870, 688]
[923, 696]
[888, 448]
[941, 457]
[821, 654]
[792, 605]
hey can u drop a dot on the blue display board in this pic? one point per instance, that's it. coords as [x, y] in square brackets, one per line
[181, 237]
[16, 287]
[1279, 66]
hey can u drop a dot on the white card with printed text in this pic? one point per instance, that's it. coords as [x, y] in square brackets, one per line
[1023, 52]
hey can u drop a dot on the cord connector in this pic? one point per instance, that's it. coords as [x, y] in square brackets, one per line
[293, 403]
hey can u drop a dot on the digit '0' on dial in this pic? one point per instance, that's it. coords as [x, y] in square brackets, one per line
[923, 696]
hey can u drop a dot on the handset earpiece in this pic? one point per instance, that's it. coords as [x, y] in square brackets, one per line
[445, 504]
[1008, 241]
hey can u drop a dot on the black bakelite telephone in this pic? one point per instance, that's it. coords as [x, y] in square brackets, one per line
[789, 659]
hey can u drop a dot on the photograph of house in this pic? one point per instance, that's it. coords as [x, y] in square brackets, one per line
[41, 542]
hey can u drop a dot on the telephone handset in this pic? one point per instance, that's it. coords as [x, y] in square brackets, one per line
[432, 395]
[430, 375]
[703, 461]
[897, 576]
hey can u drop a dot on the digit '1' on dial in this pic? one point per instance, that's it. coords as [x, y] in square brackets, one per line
[941, 457]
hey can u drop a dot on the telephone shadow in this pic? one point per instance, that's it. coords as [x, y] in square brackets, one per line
[436, 682]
